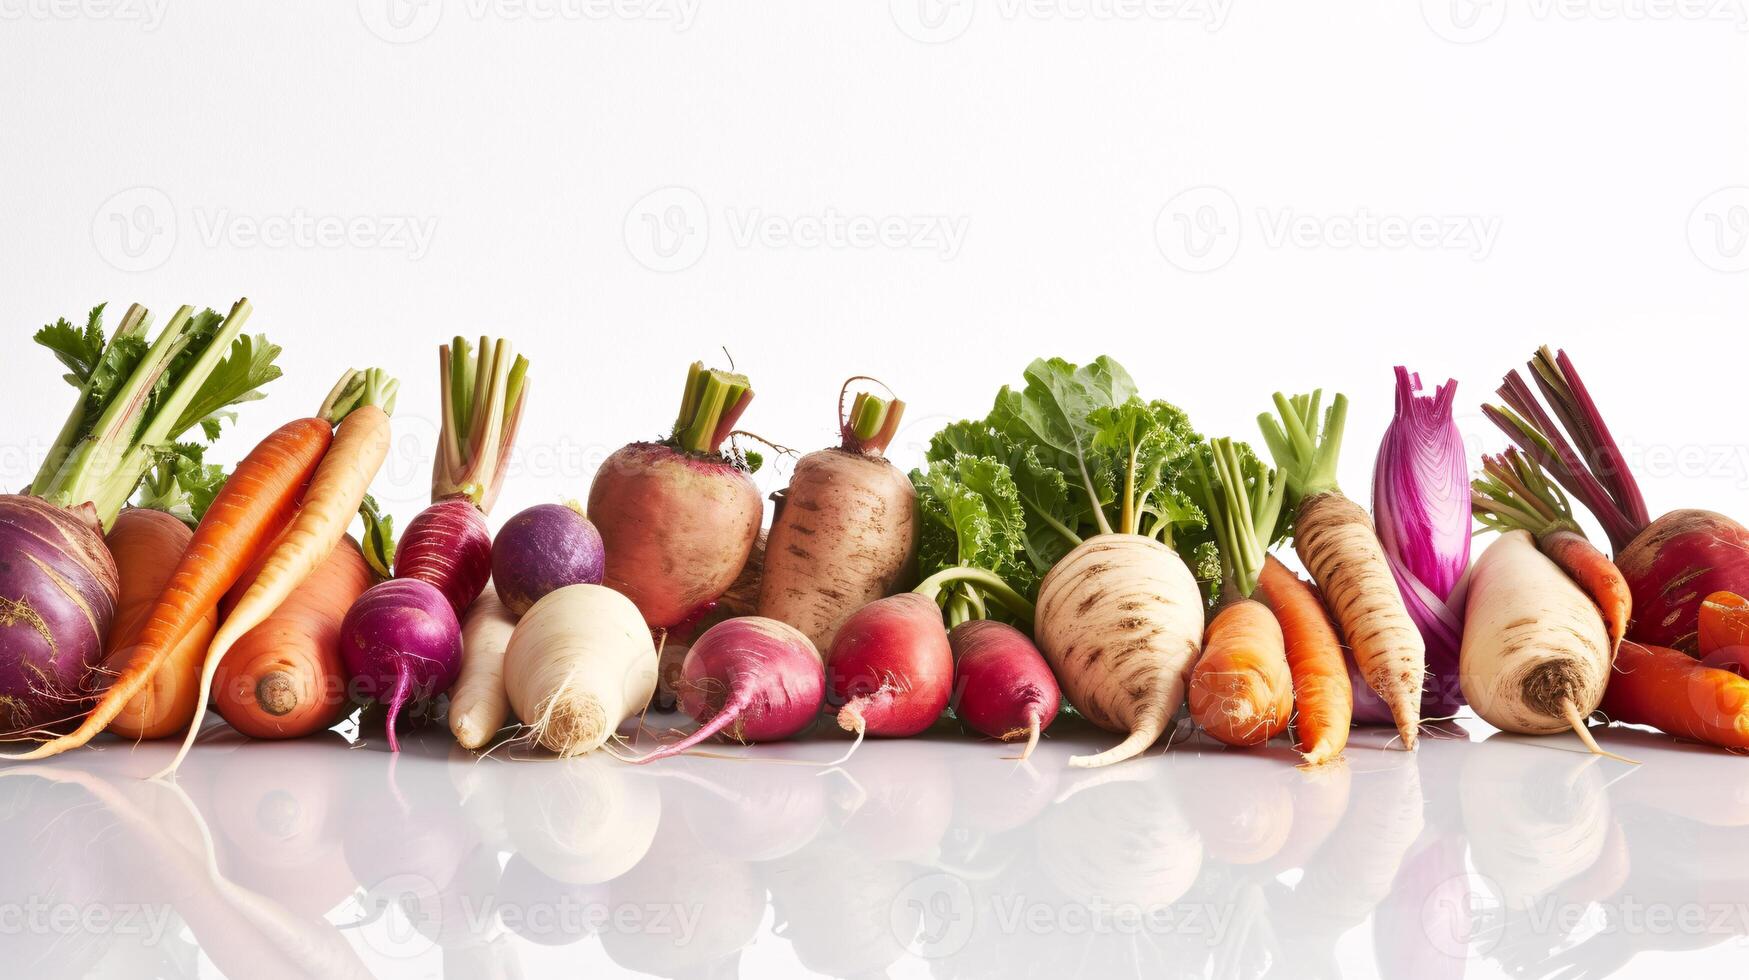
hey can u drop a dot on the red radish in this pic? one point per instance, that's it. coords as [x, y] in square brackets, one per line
[1671, 564]
[755, 678]
[1002, 687]
[845, 530]
[401, 642]
[449, 548]
[891, 667]
[679, 517]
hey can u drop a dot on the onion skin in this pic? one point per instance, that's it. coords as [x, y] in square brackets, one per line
[58, 593]
[449, 548]
[1673, 565]
[677, 528]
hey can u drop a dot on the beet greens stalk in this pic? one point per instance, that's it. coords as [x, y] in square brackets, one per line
[484, 390]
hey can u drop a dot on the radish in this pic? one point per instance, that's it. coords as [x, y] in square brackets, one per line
[845, 530]
[755, 678]
[890, 669]
[741, 599]
[1671, 564]
[579, 663]
[1078, 479]
[678, 518]
[1535, 655]
[546, 547]
[401, 642]
[448, 547]
[1002, 687]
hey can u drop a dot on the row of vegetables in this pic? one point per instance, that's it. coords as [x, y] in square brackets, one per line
[1080, 544]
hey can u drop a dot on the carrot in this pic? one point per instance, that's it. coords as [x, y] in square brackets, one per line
[336, 490]
[257, 501]
[147, 544]
[1241, 691]
[1335, 540]
[284, 678]
[1322, 693]
[1516, 495]
[1678, 695]
[1723, 633]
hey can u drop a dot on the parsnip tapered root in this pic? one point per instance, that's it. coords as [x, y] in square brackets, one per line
[479, 705]
[1334, 537]
[1536, 655]
[579, 663]
[1120, 621]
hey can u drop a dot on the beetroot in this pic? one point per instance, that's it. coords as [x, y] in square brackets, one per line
[58, 590]
[1673, 565]
[546, 547]
[401, 642]
[755, 678]
[1002, 687]
[891, 668]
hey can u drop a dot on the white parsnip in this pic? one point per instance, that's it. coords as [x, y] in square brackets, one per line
[579, 663]
[479, 705]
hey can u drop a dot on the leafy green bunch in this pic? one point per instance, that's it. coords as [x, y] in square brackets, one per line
[1074, 453]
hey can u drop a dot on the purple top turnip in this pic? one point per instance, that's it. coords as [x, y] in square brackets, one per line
[546, 547]
[401, 641]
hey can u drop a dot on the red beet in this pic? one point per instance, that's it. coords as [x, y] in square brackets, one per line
[448, 547]
[1673, 565]
[1002, 686]
[891, 667]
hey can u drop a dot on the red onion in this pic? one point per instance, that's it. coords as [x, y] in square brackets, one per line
[1421, 506]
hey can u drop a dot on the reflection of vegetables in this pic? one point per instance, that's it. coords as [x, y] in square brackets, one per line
[845, 533]
[1323, 694]
[1421, 503]
[753, 678]
[752, 813]
[694, 907]
[1335, 540]
[1679, 695]
[1145, 855]
[1320, 803]
[147, 544]
[1535, 818]
[1670, 564]
[896, 804]
[1535, 654]
[1250, 819]
[584, 822]
[579, 663]
[1002, 687]
[845, 913]
[1076, 478]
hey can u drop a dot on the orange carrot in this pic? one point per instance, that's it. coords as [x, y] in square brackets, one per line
[335, 493]
[1514, 494]
[147, 544]
[254, 505]
[1724, 631]
[284, 678]
[1676, 694]
[1322, 692]
[1241, 691]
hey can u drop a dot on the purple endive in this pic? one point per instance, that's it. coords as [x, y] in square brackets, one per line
[1421, 506]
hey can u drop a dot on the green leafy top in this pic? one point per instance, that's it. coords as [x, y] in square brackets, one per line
[1243, 499]
[484, 390]
[138, 398]
[378, 542]
[1074, 453]
[181, 483]
[1304, 445]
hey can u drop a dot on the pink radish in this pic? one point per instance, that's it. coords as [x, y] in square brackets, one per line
[755, 678]
[891, 667]
[401, 642]
[1002, 687]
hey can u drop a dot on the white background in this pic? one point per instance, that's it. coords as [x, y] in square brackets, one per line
[1197, 188]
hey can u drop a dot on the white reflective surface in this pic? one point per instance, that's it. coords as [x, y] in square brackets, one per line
[929, 857]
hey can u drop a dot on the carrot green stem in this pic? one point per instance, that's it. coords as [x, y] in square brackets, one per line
[1243, 510]
[709, 408]
[356, 389]
[484, 389]
[1513, 493]
[985, 581]
[1305, 447]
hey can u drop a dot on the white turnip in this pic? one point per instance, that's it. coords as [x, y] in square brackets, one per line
[578, 664]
